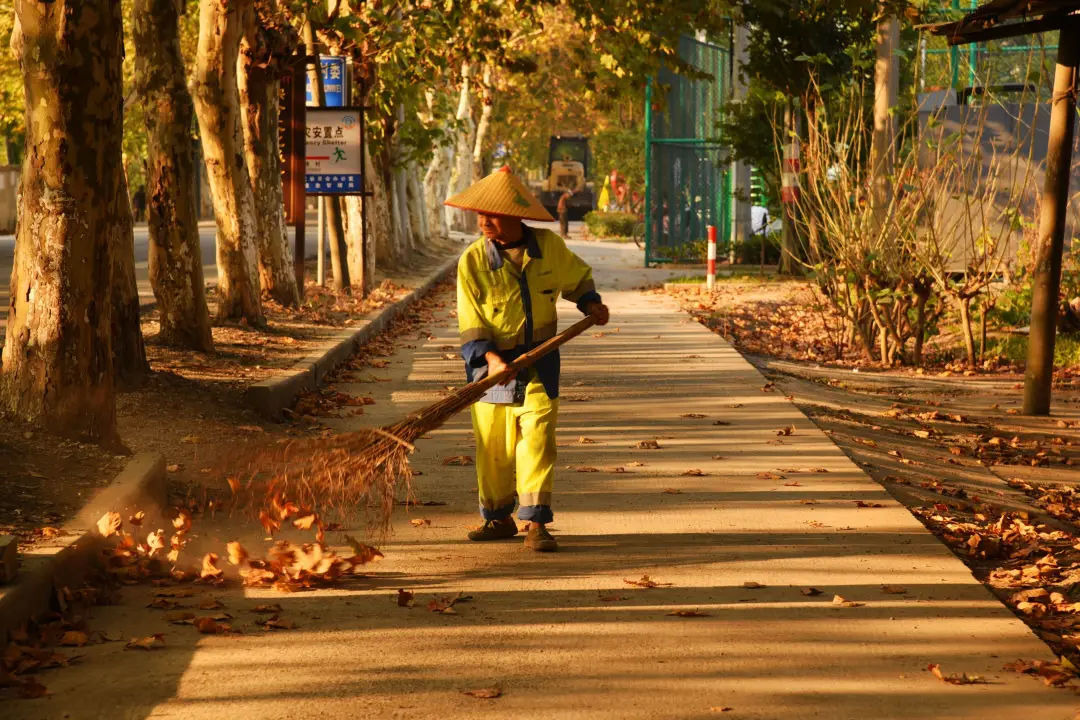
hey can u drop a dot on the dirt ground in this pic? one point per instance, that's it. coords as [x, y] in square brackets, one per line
[1001, 490]
[189, 408]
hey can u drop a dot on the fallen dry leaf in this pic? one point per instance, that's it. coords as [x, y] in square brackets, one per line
[237, 554]
[810, 591]
[688, 613]
[695, 416]
[648, 445]
[586, 469]
[109, 523]
[864, 504]
[841, 601]
[693, 472]
[671, 491]
[209, 626]
[420, 522]
[750, 584]
[405, 598]
[275, 623]
[445, 605]
[305, 522]
[893, 589]
[209, 566]
[612, 598]
[181, 617]
[786, 431]
[955, 678]
[458, 460]
[1052, 674]
[585, 441]
[74, 638]
[150, 642]
[487, 693]
[646, 582]
[267, 608]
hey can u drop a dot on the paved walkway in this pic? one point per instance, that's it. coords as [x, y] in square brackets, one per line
[563, 635]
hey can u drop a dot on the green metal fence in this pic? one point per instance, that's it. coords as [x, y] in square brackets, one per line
[687, 187]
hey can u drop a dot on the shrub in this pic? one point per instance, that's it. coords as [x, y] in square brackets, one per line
[611, 224]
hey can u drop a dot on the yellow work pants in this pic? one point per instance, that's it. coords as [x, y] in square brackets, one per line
[515, 450]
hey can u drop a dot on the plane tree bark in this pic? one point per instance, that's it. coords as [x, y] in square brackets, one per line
[57, 357]
[267, 40]
[175, 259]
[217, 105]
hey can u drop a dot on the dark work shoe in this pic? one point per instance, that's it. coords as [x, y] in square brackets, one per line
[539, 539]
[495, 530]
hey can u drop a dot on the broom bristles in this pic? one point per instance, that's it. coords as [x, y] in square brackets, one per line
[366, 469]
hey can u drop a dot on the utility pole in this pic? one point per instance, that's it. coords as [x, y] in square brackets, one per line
[1046, 284]
[886, 90]
[335, 225]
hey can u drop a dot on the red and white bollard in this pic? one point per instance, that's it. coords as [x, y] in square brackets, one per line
[789, 177]
[710, 272]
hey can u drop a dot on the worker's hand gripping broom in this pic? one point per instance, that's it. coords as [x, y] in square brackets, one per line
[365, 468]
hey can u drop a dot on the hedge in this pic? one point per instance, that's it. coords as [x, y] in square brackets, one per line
[611, 224]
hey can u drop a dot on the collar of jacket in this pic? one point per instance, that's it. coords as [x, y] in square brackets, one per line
[532, 247]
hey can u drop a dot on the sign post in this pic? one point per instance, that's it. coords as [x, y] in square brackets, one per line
[291, 124]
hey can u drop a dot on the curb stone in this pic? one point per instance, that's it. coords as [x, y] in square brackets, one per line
[68, 560]
[270, 397]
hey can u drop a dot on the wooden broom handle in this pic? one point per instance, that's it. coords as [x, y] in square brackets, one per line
[526, 359]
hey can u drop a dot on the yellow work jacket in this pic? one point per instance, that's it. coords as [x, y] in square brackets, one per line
[511, 310]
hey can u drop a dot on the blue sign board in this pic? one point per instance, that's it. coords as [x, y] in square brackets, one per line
[335, 85]
[333, 162]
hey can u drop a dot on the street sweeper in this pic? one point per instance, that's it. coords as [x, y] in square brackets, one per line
[509, 282]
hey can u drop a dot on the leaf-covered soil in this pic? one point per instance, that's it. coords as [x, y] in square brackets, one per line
[190, 408]
[790, 319]
[1000, 489]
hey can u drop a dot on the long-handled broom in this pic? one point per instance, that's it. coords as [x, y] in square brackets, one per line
[366, 468]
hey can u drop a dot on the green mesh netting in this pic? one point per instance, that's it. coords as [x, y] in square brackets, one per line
[686, 170]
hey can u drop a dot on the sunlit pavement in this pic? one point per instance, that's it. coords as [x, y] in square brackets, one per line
[731, 517]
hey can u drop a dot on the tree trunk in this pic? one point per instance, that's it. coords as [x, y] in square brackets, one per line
[217, 104]
[964, 306]
[383, 231]
[436, 180]
[175, 256]
[259, 84]
[407, 243]
[57, 358]
[886, 84]
[788, 238]
[129, 352]
[482, 127]
[461, 172]
[922, 296]
[417, 212]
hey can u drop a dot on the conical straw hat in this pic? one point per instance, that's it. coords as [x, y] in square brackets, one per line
[501, 193]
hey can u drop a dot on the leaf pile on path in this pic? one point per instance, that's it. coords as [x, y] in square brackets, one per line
[286, 566]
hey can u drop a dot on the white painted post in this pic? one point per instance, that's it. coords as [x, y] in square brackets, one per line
[710, 274]
[320, 273]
